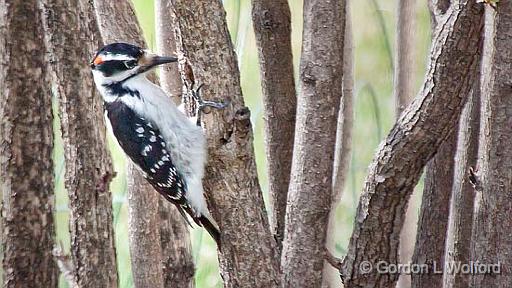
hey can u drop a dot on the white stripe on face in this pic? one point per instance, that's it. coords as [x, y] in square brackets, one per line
[118, 57]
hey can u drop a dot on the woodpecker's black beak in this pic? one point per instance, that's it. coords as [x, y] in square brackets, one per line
[149, 61]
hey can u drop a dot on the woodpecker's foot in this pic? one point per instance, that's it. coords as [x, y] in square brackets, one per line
[203, 106]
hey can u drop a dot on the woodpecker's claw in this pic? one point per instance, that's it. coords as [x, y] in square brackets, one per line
[203, 105]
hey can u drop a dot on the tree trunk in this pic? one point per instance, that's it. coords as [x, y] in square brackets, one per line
[492, 224]
[88, 163]
[26, 167]
[403, 94]
[248, 255]
[154, 241]
[271, 21]
[166, 45]
[458, 241]
[310, 195]
[175, 237]
[412, 142]
[343, 148]
[433, 220]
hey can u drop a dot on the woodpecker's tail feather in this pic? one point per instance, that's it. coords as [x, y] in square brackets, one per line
[211, 227]
[205, 221]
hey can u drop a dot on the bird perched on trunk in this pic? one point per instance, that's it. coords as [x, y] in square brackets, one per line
[158, 137]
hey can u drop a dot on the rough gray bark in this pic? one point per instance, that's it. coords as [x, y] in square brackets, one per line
[433, 219]
[88, 163]
[403, 94]
[435, 204]
[175, 237]
[310, 195]
[248, 254]
[342, 154]
[493, 206]
[437, 9]
[271, 22]
[411, 143]
[146, 225]
[26, 141]
[166, 45]
[458, 241]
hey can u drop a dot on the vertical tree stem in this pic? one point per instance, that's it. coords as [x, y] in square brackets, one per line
[26, 141]
[271, 21]
[88, 163]
[310, 195]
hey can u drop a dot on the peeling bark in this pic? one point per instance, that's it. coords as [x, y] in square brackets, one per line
[458, 241]
[271, 21]
[248, 254]
[88, 163]
[26, 141]
[412, 142]
[492, 224]
[310, 195]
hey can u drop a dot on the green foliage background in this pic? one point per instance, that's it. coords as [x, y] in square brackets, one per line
[373, 116]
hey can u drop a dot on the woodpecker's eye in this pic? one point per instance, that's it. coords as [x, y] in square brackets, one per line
[130, 64]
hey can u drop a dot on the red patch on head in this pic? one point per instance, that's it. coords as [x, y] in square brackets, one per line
[98, 60]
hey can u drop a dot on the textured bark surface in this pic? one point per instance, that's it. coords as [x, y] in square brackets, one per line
[404, 82]
[310, 195]
[433, 219]
[175, 236]
[248, 255]
[26, 141]
[458, 241]
[342, 155]
[166, 45]
[492, 224]
[154, 241]
[437, 9]
[271, 21]
[411, 143]
[88, 163]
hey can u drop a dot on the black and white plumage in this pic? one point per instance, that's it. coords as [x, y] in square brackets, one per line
[161, 141]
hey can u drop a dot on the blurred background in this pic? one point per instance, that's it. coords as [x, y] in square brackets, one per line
[373, 24]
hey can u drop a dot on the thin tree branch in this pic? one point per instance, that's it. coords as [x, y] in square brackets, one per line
[342, 155]
[166, 45]
[491, 241]
[271, 21]
[311, 191]
[411, 143]
[458, 242]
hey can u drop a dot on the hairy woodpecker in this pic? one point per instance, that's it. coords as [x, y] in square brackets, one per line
[163, 143]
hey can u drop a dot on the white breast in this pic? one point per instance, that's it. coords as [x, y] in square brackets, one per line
[185, 140]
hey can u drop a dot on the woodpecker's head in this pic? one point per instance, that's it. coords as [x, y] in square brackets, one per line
[118, 62]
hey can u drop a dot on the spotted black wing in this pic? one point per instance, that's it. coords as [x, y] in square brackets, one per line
[145, 146]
